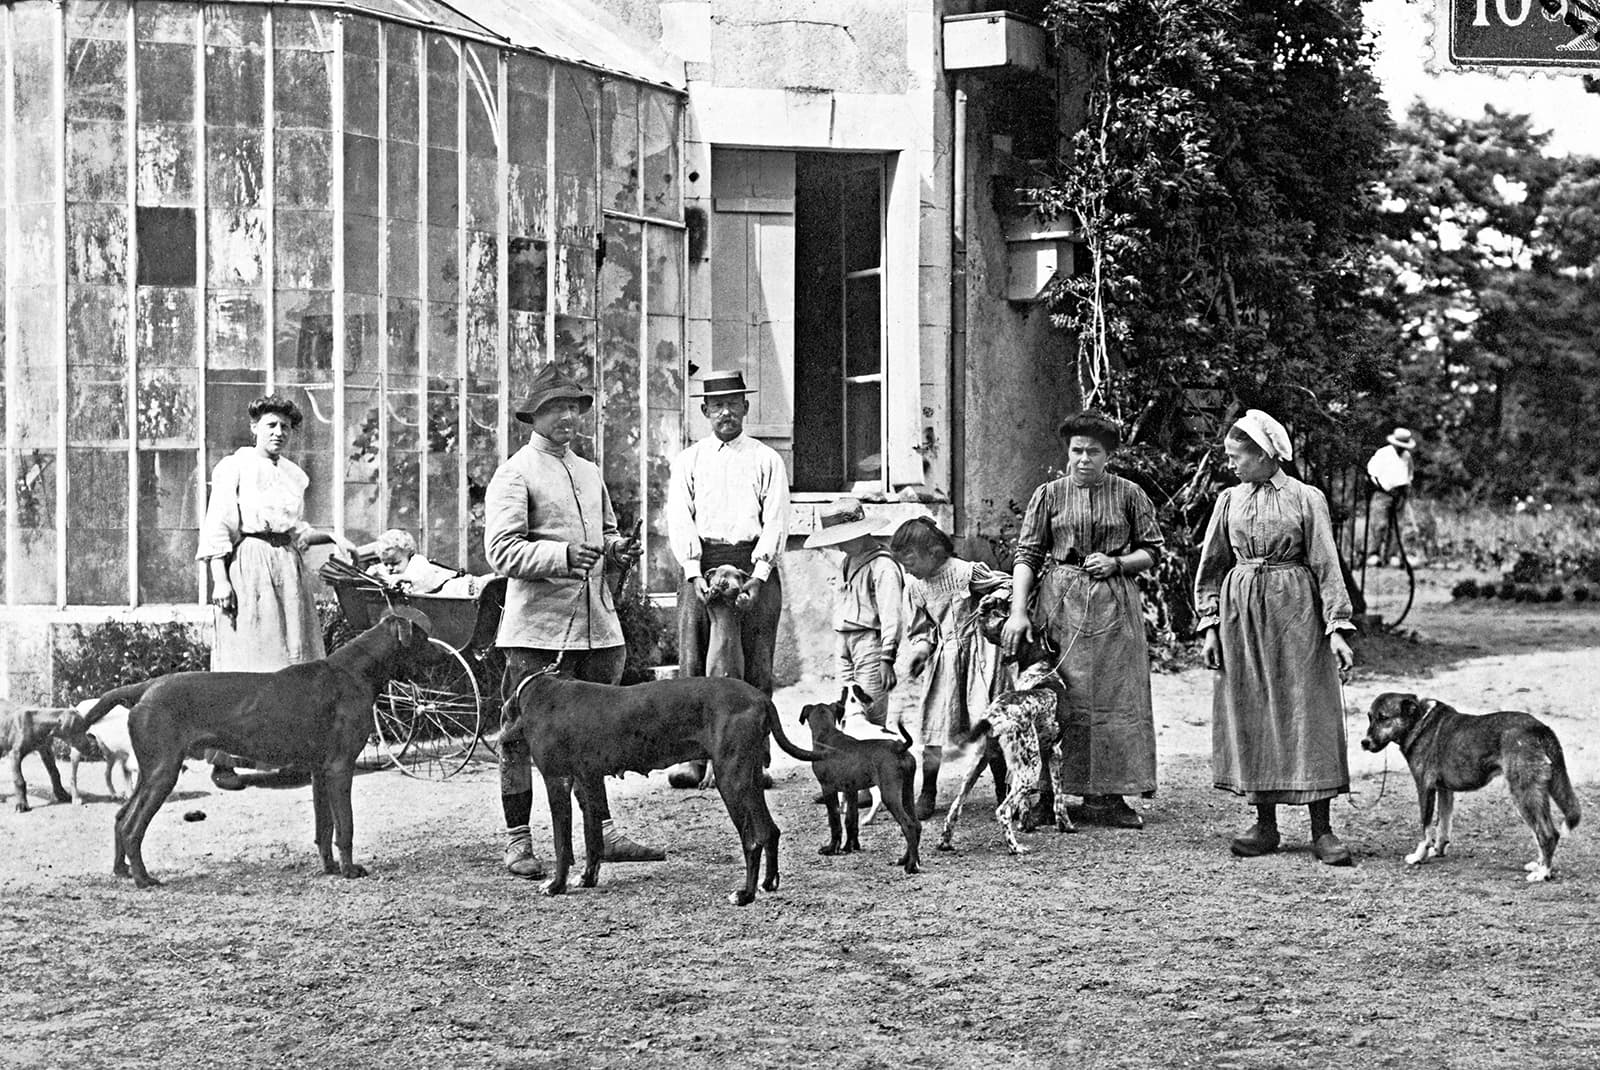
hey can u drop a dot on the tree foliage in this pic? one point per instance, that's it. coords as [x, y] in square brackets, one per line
[1226, 181]
[1491, 260]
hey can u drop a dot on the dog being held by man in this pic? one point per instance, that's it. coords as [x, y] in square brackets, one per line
[851, 764]
[578, 733]
[1449, 751]
[315, 715]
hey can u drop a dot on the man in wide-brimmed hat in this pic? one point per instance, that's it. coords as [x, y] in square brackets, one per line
[1390, 472]
[548, 526]
[727, 504]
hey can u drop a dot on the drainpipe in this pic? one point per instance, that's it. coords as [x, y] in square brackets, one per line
[958, 309]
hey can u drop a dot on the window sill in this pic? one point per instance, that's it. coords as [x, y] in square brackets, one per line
[805, 512]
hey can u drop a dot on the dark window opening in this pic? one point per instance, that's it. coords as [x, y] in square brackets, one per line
[838, 338]
[166, 246]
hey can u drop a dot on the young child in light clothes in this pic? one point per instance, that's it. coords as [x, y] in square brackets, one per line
[867, 613]
[962, 666]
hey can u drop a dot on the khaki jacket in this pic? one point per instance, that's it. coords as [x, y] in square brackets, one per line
[543, 498]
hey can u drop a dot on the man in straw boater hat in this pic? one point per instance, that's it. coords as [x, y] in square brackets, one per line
[1390, 471]
[727, 504]
[548, 526]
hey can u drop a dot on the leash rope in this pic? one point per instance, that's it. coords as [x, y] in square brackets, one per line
[1383, 782]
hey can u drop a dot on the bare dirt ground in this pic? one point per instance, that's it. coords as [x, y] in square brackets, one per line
[1104, 949]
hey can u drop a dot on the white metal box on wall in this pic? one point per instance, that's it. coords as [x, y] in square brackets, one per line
[990, 40]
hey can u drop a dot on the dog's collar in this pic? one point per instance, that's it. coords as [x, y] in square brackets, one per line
[549, 670]
[1429, 708]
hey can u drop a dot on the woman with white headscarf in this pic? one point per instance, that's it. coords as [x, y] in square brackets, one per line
[1273, 605]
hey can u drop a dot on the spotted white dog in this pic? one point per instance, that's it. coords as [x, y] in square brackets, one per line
[1025, 722]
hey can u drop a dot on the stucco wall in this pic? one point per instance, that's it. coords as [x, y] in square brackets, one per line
[852, 46]
[1019, 368]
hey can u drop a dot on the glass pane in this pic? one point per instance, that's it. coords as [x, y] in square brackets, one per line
[526, 344]
[167, 407]
[34, 525]
[97, 243]
[157, 20]
[863, 325]
[363, 513]
[235, 83]
[402, 74]
[662, 195]
[35, 164]
[303, 66]
[166, 246]
[97, 527]
[444, 362]
[619, 146]
[97, 75]
[404, 185]
[666, 271]
[362, 349]
[97, 319]
[404, 320]
[97, 162]
[483, 348]
[361, 175]
[862, 217]
[575, 142]
[236, 247]
[527, 134]
[574, 280]
[444, 80]
[166, 82]
[528, 278]
[165, 323]
[621, 288]
[444, 187]
[863, 432]
[169, 531]
[362, 263]
[304, 250]
[360, 86]
[483, 269]
[235, 166]
[235, 333]
[404, 261]
[304, 337]
[166, 164]
[304, 171]
[403, 451]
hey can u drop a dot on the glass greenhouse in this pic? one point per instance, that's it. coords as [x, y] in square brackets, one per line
[387, 210]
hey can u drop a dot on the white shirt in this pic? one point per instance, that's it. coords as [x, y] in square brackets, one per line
[1390, 468]
[733, 491]
[251, 494]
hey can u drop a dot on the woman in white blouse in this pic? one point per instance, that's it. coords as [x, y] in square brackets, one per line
[254, 539]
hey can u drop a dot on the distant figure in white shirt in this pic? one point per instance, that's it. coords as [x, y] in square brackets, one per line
[1390, 472]
[728, 504]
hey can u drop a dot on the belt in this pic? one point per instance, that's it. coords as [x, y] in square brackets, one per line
[271, 538]
[1262, 564]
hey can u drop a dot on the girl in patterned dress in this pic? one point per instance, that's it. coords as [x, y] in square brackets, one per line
[963, 667]
[1084, 537]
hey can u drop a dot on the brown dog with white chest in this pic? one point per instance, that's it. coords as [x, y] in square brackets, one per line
[851, 765]
[1449, 751]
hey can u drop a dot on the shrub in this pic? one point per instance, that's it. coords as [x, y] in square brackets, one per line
[1554, 594]
[1580, 594]
[90, 659]
[1508, 591]
[1465, 589]
[650, 633]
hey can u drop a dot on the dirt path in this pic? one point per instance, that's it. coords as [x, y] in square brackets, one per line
[1104, 949]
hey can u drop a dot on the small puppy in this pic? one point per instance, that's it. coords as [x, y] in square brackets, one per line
[849, 764]
[110, 737]
[1450, 751]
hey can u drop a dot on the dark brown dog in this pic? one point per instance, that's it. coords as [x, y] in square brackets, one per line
[851, 765]
[317, 716]
[30, 728]
[580, 733]
[1450, 751]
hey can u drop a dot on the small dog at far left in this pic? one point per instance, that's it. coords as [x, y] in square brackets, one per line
[28, 729]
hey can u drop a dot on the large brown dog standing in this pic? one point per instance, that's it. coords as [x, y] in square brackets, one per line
[317, 715]
[1449, 751]
[579, 733]
[30, 728]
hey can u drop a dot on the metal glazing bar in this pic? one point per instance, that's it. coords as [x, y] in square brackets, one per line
[552, 237]
[269, 194]
[201, 234]
[8, 530]
[502, 282]
[131, 313]
[463, 310]
[340, 340]
[59, 272]
[424, 333]
[383, 273]
[634, 217]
